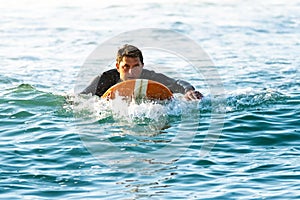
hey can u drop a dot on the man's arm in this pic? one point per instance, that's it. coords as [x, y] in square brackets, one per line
[102, 83]
[176, 86]
[91, 88]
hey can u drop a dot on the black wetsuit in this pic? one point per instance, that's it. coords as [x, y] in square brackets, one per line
[109, 78]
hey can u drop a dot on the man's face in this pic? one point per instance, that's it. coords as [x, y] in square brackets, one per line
[129, 68]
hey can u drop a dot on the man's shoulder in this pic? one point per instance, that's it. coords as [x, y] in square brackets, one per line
[148, 72]
[111, 71]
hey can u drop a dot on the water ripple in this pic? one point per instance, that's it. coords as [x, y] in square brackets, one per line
[256, 52]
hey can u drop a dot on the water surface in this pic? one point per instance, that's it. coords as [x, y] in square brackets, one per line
[255, 48]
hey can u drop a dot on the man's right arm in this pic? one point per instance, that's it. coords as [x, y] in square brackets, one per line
[92, 87]
[102, 83]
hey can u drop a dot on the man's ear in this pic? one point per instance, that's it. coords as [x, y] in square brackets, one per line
[117, 66]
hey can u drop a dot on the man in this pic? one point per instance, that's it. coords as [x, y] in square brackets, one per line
[130, 65]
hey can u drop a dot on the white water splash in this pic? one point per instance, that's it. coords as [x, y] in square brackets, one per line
[143, 117]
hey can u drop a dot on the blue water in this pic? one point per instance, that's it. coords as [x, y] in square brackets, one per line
[56, 145]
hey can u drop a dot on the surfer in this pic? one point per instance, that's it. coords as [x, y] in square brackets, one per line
[130, 65]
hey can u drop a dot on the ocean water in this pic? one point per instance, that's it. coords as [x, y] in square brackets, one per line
[242, 144]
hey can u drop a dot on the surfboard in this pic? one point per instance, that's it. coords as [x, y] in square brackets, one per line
[139, 89]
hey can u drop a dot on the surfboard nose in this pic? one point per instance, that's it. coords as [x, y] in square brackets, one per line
[139, 89]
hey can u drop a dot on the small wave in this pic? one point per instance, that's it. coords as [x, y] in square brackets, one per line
[27, 58]
[22, 88]
[25, 97]
[246, 98]
[8, 80]
[22, 114]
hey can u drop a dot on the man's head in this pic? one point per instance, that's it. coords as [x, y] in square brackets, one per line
[129, 62]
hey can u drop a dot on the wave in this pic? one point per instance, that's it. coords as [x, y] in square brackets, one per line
[26, 95]
[250, 98]
[25, 100]
[238, 100]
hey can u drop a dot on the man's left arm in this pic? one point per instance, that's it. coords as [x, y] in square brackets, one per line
[176, 86]
[189, 91]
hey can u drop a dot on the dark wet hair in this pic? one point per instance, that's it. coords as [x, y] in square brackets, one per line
[129, 51]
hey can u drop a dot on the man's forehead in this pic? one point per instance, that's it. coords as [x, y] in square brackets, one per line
[130, 59]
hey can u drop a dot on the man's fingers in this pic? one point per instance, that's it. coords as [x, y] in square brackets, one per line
[193, 95]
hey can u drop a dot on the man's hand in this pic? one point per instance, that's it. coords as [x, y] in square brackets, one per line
[193, 95]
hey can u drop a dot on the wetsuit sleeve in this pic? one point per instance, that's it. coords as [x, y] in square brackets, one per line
[176, 86]
[102, 83]
[91, 88]
[183, 86]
